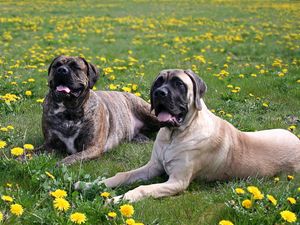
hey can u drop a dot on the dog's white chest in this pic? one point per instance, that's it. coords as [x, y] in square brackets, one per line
[68, 141]
[168, 158]
[61, 108]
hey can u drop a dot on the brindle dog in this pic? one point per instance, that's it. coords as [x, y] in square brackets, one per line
[86, 123]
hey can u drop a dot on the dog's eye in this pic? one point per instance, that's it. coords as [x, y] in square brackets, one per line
[159, 82]
[179, 83]
[58, 64]
[75, 66]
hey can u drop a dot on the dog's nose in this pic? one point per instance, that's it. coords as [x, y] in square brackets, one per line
[162, 92]
[63, 70]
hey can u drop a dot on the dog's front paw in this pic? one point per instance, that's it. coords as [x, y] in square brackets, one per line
[134, 195]
[114, 200]
[80, 185]
[69, 160]
[84, 186]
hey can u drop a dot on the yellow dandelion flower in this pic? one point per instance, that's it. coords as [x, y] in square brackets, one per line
[252, 189]
[112, 77]
[2, 144]
[40, 100]
[276, 179]
[126, 89]
[247, 203]
[288, 216]
[103, 59]
[292, 128]
[290, 177]
[9, 185]
[10, 127]
[134, 87]
[265, 104]
[112, 87]
[17, 151]
[58, 193]
[7, 198]
[61, 204]
[1, 216]
[298, 81]
[127, 210]
[112, 214]
[78, 218]
[272, 199]
[49, 175]
[31, 80]
[137, 94]
[16, 209]
[28, 93]
[4, 129]
[291, 200]
[225, 222]
[28, 147]
[107, 70]
[105, 194]
[130, 221]
[257, 195]
[239, 191]
[228, 115]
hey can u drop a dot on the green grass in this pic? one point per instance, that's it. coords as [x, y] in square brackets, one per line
[239, 37]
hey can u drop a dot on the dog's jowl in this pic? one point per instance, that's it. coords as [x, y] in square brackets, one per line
[196, 143]
[85, 123]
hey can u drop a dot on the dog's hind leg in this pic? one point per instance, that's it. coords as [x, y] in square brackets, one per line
[87, 154]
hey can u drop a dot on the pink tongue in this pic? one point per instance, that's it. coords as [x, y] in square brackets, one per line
[61, 88]
[164, 117]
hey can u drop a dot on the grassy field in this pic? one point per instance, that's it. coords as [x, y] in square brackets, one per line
[248, 53]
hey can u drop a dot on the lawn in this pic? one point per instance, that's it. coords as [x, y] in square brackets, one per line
[247, 52]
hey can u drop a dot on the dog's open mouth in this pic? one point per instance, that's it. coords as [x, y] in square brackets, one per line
[63, 89]
[168, 119]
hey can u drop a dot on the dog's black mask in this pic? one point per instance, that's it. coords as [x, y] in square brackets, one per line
[70, 79]
[169, 99]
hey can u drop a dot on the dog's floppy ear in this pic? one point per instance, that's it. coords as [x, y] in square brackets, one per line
[199, 88]
[52, 63]
[92, 73]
